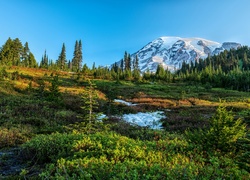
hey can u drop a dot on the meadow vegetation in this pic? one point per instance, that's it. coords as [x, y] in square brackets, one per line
[50, 118]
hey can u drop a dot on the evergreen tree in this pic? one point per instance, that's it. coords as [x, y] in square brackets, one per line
[69, 65]
[80, 54]
[136, 63]
[77, 57]
[93, 66]
[11, 52]
[225, 130]
[54, 89]
[127, 61]
[85, 70]
[45, 61]
[25, 55]
[122, 65]
[17, 49]
[160, 72]
[61, 62]
[32, 61]
[136, 69]
[245, 62]
[6, 53]
[90, 103]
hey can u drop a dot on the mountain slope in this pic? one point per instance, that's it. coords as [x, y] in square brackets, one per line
[172, 51]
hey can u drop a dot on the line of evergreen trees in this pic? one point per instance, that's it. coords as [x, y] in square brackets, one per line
[14, 53]
[62, 63]
[229, 69]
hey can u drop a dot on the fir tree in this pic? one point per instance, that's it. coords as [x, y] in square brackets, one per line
[32, 61]
[77, 57]
[90, 102]
[17, 49]
[80, 54]
[11, 52]
[225, 130]
[6, 53]
[122, 65]
[61, 62]
[25, 55]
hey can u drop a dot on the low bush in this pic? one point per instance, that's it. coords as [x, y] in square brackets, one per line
[112, 156]
[11, 137]
[49, 148]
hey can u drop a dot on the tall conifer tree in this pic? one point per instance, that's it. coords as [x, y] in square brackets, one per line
[77, 57]
[61, 62]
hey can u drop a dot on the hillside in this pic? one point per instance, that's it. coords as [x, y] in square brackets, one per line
[51, 117]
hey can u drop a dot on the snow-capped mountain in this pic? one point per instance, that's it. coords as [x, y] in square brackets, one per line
[172, 51]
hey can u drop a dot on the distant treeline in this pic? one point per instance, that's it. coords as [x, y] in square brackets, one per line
[229, 69]
[14, 53]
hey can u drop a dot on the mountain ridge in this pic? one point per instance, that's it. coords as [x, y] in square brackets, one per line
[171, 51]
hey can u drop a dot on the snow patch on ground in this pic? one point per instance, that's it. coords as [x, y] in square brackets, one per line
[124, 102]
[150, 119]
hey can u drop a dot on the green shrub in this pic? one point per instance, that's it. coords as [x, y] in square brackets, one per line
[49, 148]
[225, 130]
[11, 137]
[111, 156]
[223, 133]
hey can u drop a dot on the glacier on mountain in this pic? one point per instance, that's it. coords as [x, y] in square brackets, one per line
[170, 52]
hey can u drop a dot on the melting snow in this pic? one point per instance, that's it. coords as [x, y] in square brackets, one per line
[150, 119]
[124, 102]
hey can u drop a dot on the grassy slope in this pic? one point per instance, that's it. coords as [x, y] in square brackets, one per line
[25, 112]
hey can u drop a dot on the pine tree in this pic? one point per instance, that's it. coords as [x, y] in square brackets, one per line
[32, 61]
[11, 52]
[90, 98]
[80, 54]
[45, 61]
[160, 72]
[122, 65]
[225, 130]
[93, 66]
[6, 53]
[25, 55]
[245, 62]
[77, 57]
[69, 65]
[136, 69]
[17, 49]
[127, 61]
[61, 62]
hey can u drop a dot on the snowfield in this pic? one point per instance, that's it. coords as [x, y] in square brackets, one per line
[143, 119]
[149, 119]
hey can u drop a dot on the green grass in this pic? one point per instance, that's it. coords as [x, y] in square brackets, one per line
[30, 118]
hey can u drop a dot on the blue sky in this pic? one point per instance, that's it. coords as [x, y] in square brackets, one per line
[108, 28]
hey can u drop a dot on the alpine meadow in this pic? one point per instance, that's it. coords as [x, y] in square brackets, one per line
[173, 107]
[64, 120]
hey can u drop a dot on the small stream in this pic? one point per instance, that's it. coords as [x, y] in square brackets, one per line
[10, 163]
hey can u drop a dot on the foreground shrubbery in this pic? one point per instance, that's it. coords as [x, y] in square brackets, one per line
[112, 156]
[201, 154]
[115, 149]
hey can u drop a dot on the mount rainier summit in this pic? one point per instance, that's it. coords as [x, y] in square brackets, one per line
[170, 52]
